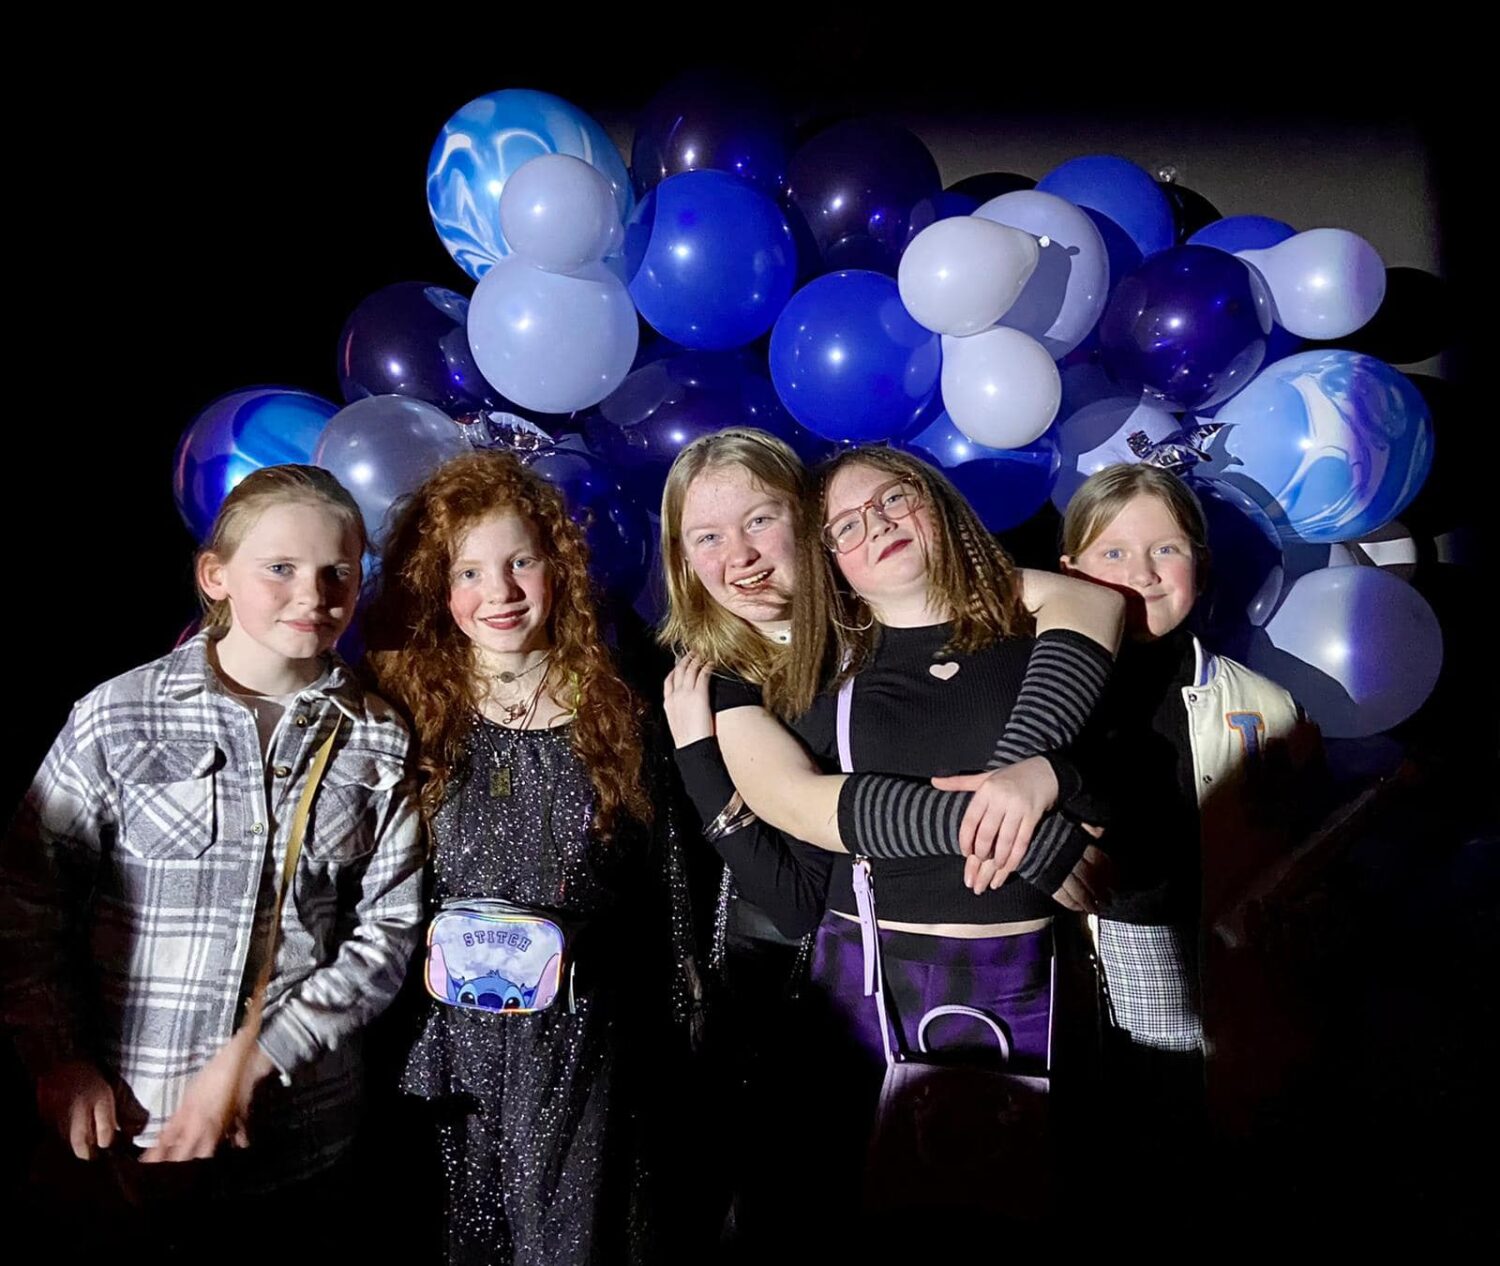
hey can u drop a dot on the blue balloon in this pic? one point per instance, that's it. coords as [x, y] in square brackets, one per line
[712, 260]
[1338, 441]
[848, 361]
[618, 530]
[1242, 233]
[700, 122]
[1006, 486]
[1121, 192]
[236, 434]
[1189, 326]
[481, 145]
[411, 339]
[1246, 571]
[664, 406]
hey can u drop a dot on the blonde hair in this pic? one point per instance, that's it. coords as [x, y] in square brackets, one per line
[256, 493]
[833, 629]
[1106, 492]
[695, 622]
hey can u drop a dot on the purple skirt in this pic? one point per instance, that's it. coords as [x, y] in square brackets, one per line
[1007, 977]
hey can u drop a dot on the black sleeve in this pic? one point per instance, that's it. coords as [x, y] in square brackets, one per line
[1065, 678]
[784, 877]
[725, 692]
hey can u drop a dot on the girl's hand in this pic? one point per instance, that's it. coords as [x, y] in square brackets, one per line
[998, 824]
[216, 1105]
[79, 1104]
[685, 698]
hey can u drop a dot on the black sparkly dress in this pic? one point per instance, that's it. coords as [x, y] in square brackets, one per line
[543, 1119]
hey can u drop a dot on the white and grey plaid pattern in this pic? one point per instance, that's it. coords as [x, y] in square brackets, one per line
[138, 878]
[1151, 975]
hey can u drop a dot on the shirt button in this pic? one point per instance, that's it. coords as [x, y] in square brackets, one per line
[281, 771]
[1192, 698]
[1208, 778]
[301, 722]
[258, 829]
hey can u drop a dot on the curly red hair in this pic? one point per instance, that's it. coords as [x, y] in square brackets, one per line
[424, 662]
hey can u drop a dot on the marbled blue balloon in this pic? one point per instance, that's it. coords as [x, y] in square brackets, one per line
[1341, 442]
[239, 433]
[481, 145]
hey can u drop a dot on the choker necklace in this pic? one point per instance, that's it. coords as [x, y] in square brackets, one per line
[506, 677]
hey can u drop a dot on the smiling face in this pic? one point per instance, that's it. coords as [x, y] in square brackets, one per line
[739, 539]
[891, 563]
[1144, 553]
[291, 584]
[500, 586]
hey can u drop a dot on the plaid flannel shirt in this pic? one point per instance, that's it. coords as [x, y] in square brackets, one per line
[138, 880]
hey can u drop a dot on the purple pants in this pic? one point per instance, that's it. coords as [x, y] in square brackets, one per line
[1008, 977]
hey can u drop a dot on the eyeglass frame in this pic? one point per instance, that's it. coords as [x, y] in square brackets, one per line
[918, 500]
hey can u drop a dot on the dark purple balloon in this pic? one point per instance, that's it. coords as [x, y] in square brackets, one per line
[855, 185]
[618, 531]
[664, 406]
[410, 339]
[1188, 326]
[941, 206]
[701, 120]
[1191, 211]
[991, 184]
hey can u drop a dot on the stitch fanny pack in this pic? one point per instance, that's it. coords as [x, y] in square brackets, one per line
[489, 955]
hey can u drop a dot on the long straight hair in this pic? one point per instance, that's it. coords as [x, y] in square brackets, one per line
[695, 621]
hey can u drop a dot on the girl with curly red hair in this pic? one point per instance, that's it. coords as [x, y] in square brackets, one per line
[539, 792]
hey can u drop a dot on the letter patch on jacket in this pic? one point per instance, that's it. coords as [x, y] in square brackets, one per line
[1251, 727]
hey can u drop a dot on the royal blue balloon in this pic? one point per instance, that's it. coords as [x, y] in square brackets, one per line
[236, 434]
[618, 530]
[411, 339]
[1340, 442]
[1119, 190]
[1246, 571]
[855, 185]
[664, 406]
[1242, 233]
[488, 139]
[700, 122]
[1006, 486]
[848, 361]
[712, 260]
[1189, 326]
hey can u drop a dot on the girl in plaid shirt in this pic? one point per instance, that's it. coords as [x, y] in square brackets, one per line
[139, 881]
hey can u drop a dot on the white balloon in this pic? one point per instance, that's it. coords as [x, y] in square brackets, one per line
[1325, 283]
[1000, 387]
[551, 341]
[559, 213]
[1065, 296]
[960, 275]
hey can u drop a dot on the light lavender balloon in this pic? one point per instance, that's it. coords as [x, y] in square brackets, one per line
[1000, 387]
[1112, 431]
[380, 448]
[552, 342]
[960, 275]
[1325, 283]
[1066, 294]
[1359, 648]
[559, 213]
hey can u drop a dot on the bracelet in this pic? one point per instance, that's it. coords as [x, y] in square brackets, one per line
[734, 816]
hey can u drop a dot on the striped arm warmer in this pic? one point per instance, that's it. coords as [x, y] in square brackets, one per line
[885, 816]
